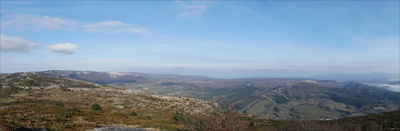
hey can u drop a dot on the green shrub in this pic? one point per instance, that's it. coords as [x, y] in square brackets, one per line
[149, 118]
[178, 117]
[133, 113]
[69, 113]
[96, 107]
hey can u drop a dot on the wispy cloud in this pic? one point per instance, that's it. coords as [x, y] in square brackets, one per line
[191, 10]
[102, 26]
[133, 30]
[113, 27]
[38, 22]
[66, 48]
[16, 44]
[379, 43]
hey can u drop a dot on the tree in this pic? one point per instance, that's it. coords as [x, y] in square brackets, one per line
[96, 107]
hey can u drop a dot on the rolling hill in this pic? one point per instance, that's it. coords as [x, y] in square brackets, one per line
[278, 98]
[35, 102]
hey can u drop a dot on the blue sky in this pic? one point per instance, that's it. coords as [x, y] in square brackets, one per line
[224, 39]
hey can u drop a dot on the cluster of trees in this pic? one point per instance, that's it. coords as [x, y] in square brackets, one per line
[280, 99]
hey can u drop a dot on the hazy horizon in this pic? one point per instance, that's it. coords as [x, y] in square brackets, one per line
[218, 39]
[231, 75]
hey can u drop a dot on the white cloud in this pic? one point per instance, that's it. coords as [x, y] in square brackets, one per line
[16, 44]
[38, 22]
[192, 9]
[66, 48]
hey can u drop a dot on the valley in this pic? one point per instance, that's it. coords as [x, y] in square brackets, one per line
[276, 98]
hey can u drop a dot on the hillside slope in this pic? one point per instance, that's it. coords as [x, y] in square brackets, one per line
[31, 101]
[312, 100]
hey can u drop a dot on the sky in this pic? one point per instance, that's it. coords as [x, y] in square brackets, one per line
[220, 39]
